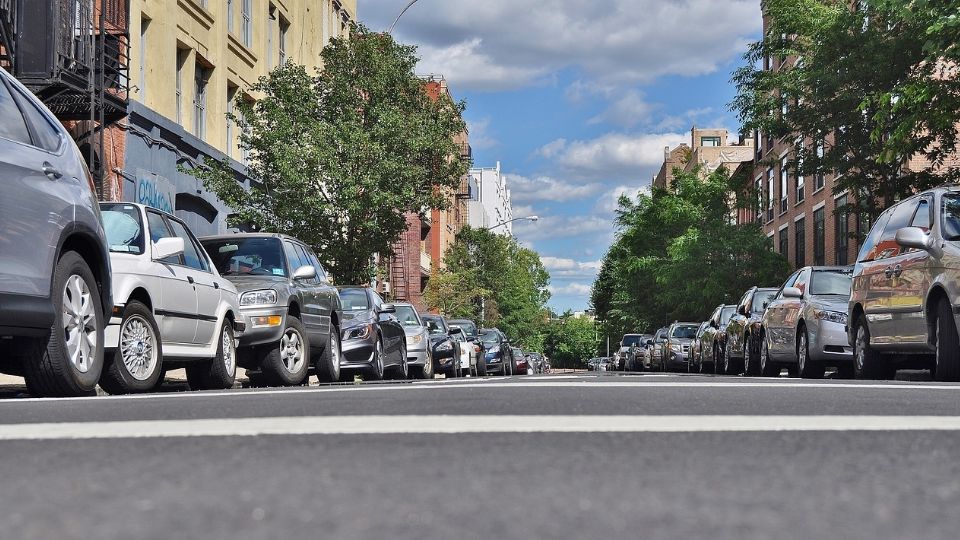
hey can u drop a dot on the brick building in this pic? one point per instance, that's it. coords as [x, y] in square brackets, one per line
[709, 149]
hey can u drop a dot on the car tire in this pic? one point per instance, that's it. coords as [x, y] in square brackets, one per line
[48, 368]
[375, 371]
[751, 359]
[727, 362]
[806, 367]
[287, 363]
[401, 372]
[947, 367]
[768, 368]
[136, 366]
[328, 362]
[867, 363]
[220, 372]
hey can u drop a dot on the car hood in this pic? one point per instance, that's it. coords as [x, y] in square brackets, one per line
[830, 303]
[681, 341]
[356, 318]
[245, 282]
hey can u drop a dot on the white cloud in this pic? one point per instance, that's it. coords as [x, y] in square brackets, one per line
[552, 148]
[556, 227]
[571, 289]
[628, 110]
[480, 136]
[619, 155]
[568, 268]
[545, 188]
[502, 44]
[610, 201]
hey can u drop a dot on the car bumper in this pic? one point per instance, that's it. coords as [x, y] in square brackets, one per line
[494, 365]
[259, 330]
[358, 353]
[417, 357]
[829, 342]
[677, 360]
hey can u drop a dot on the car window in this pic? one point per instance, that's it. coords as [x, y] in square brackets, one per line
[951, 216]
[354, 300]
[435, 326]
[293, 257]
[684, 331]
[744, 301]
[788, 283]
[46, 136]
[253, 256]
[836, 282]
[407, 316]
[922, 218]
[802, 280]
[726, 314]
[715, 316]
[321, 273]
[489, 337]
[868, 250]
[192, 257]
[760, 301]
[159, 230]
[12, 124]
[124, 228]
[901, 217]
[305, 260]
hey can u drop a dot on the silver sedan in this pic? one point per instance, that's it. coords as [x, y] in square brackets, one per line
[804, 327]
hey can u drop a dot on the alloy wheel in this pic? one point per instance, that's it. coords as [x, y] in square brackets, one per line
[138, 347]
[79, 323]
[860, 345]
[802, 352]
[229, 350]
[291, 350]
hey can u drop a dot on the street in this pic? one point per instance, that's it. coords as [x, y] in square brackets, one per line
[554, 456]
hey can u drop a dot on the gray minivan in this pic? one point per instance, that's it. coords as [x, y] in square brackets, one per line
[55, 295]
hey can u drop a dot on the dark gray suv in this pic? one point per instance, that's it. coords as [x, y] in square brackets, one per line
[55, 295]
[291, 310]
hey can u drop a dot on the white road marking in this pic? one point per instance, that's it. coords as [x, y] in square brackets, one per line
[373, 425]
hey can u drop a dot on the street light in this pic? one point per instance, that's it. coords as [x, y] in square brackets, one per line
[409, 5]
[525, 218]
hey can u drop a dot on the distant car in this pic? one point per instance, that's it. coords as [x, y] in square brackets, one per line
[536, 362]
[472, 334]
[695, 360]
[655, 350]
[713, 338]
[630, 344]
[521, 366]
[447, 354]
[741, 351]
[468, 352]
[374, 342]
[171, 306]
[419, 352]
[804, 326]
[293, 311]
[55, 286]
[498, 355]
[677, 350]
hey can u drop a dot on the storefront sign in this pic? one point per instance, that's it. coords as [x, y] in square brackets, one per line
[156, 191]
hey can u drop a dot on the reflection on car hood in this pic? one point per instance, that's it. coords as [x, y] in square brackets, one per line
[830, 303]
[247, 282]
[355, 318]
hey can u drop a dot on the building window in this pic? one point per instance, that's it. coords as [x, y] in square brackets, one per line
[182, 55]
[785, 241]
[783, 185]
[842, 231]
[271, 17]
[819, 180]
[201, 76]
[801, 187]
[770, 194]
[247, 27]
[819, 238]
[800, 242]
[758, 200]
[284, 30]
[144, 25]
[709, 141]
[230, 15]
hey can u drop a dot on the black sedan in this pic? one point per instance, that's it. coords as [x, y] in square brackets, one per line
[499, 355]
[446, 350]
[374, 342]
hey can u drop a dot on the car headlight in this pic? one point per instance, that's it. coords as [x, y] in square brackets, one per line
[832, 316]
[266, 297]
[445, 346]
[493, 351]
[675, 347]
[360, 332]
[414, 340]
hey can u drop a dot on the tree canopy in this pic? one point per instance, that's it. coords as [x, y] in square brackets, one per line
[336, 159]
[569, 341]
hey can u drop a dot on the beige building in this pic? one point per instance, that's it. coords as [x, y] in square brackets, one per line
[709, 149]
[189, 60]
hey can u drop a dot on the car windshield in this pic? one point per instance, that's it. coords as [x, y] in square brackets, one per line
[630, 340]
[727, 313]
[830, 282]
[124, 228]
[434, 326]
[684, 331]
[469, 329]
[761, 299]
[354, 300]
[407, 316]
[951, 216]
[489, 337]
[247, 256]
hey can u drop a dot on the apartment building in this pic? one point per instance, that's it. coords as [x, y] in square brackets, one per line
[490, 202]
[190, 59]
[709, 149]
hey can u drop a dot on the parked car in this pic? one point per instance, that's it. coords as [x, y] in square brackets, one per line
[713, 339]
[627, 353]
[521, 367]
[374, 341]
[741, 351]
[294, 313]
[447, 354]
[804, 327]
[498, 355]
[676, 352]
[535, 361]
[695, 361]
[468, 352]
[419, 352]
[171, 306]
[472, 334]
[655, 350]
[905, 285]
[55, 286]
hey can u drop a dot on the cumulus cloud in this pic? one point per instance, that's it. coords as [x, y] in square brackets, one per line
[552, 148]
[568, 268]
[545, 188]
[627, 110]
[555, 227]
[610, 200]
[571, 289]
[619, 155]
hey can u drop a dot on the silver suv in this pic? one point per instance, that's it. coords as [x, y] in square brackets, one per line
[54, 265]
[906, 284]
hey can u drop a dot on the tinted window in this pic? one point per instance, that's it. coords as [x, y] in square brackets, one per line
[407, 316]
[124, 228]
[922, 217]
[47, 136]
[830, 282]
[760, 300]
[951, 216]
[355, 300]
[435, 325]
[789, 283]
[726, 314]
[901, 217]
[12, 125]
[158, 230]
[686, 331]
[293, 257]
[632, 339]
[489, 337]
[254, 256]
[468, 327]
[191, 255]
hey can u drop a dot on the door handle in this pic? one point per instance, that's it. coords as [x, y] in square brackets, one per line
[52, 172]
[888, 272]
[216, 285]
[190, 279]
[897, 270]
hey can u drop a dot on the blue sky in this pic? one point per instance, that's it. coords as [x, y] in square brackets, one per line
[577, 101]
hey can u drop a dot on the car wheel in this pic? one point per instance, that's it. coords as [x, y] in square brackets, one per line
[375, 371]
[136, 365]
[287, 363]
[220, 372]
[768, 368]
[867, 363]
[727, 362]
[948, 344]
[69, 362]
[751, 357]
[328, 363]
[402, 371]
[807, 368]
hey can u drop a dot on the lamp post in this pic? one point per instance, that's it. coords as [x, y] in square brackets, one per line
[525, 218]
[408, 6]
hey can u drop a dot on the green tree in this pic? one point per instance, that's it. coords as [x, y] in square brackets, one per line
[570, 341]
[455, 294]
[338, 158]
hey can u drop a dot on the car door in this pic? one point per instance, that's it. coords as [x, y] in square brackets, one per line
[911, 278]
[204, 282]
[886, 301]
[775, 320]
[310, 311]
[176, 309]
[38, 195]
[328, 300]
[390, 328]
[736, 326]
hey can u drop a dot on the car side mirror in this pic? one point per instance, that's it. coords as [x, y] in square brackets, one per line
[913, 237]
[792, 292]
[388, 308]
[167, 247]
[305, 272]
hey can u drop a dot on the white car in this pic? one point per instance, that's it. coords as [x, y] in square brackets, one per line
[171, 307]
[468, 353]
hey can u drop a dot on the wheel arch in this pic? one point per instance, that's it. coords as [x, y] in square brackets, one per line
[140, 294]
[89, 248]
[937, 293]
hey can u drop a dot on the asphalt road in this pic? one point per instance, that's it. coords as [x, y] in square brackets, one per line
[588, 456]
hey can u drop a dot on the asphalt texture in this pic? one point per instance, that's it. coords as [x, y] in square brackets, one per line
[738, 485]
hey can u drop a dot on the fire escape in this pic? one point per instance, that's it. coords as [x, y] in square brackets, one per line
[74, 55]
